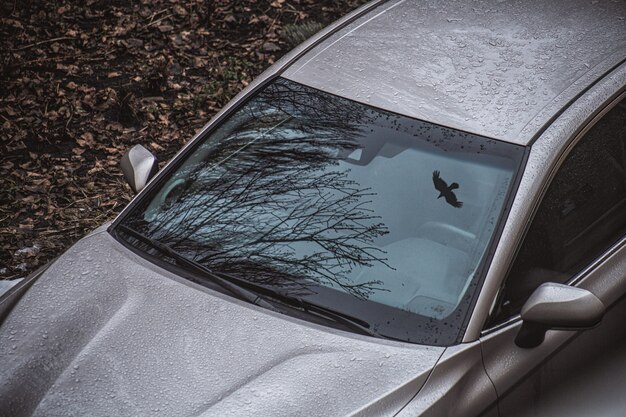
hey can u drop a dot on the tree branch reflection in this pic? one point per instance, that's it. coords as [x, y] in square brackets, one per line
[268, 198]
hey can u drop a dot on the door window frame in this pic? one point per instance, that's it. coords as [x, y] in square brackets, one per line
[490, 327]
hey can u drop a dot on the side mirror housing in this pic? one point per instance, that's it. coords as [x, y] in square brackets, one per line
[557, 306]
[138, 165]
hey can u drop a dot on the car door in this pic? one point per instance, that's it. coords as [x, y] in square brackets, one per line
[576, 237]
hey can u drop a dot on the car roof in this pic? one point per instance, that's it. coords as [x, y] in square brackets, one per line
[497, 68]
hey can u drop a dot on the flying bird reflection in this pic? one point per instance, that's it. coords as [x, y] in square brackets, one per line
[445, 190]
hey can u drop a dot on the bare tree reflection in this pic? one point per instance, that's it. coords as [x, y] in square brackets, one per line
[266, 199]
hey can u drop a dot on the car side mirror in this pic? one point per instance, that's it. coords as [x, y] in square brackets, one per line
[557, 306]
[138, 165]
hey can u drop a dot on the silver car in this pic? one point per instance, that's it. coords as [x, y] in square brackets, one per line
[419, 211]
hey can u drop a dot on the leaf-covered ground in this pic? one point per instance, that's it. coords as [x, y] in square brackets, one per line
[81, 82]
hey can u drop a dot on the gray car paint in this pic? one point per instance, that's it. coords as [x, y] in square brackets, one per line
[501, 69]
[104, 332]
[585, 378]
[138, 165]
[507, 364]
[528, 385]
[457, 387]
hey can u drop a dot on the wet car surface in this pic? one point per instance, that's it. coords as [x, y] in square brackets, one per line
[419, 211]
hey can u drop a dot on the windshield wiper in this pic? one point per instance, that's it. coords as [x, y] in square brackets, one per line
[334, 315]
[309, 307]
[257, 294]
[235, 289]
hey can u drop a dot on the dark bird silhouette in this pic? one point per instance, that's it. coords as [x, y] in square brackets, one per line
[446, 191]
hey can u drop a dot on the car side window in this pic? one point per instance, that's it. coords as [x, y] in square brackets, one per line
[582, 214]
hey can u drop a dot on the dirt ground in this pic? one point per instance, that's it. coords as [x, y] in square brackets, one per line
[81, 82]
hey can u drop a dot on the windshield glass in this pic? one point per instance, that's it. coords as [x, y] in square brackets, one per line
[372, 214]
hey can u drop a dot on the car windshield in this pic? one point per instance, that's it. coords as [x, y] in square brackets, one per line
[373, 214]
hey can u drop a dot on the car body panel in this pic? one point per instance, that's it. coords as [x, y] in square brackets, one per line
[586, 377]
[105, 332]
[497, 69]
[16, 289]
[458, 387]
[543, 368]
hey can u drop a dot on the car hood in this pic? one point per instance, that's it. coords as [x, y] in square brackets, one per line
[104, 332]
